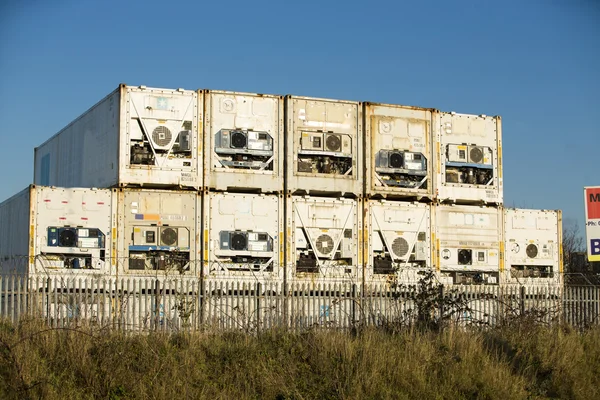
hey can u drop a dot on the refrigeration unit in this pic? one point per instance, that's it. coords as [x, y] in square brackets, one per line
[397, 241]
[323, 147]
[468, 243]
[243, 237]
[533, 241]
[469, 153]
[157, 232]
[323, 239]
[243, 135]
[398, 151]
[47, 231]
[135, 136]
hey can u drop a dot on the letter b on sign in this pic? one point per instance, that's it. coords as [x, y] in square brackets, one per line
[595, 247]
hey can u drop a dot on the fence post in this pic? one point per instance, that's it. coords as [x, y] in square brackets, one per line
[257, 297]
[156, 304]
[522, 302]
[353, 303]
[441, 305]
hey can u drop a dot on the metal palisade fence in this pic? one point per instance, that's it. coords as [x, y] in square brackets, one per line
[176, 303]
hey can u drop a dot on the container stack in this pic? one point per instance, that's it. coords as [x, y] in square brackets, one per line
[242, 188]
[243, 207]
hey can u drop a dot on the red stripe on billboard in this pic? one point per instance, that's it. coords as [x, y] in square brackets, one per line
[592, 200]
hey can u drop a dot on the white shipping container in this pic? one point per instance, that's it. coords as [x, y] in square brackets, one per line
[469, 154]
[324, 147]
[397, 241]
[243, 135]
[533, 246]
[47, 231]
[323, 239]
[398, 151]
[468, 243]
[136, 136]
[243, 237]
[158, 233]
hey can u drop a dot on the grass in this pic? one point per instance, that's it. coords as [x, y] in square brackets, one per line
[513, 362]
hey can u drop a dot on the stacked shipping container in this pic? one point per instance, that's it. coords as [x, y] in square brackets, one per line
[242, 187]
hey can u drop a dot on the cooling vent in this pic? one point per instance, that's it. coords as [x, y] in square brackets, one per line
[161, 136]
[238, 241]
[400, 247]
[324, 244]
[168, 236]
[333, 143]
[396, 160]
[67, 238]
[238, 140]
[465, 257]
[476, 154]
[532, 251]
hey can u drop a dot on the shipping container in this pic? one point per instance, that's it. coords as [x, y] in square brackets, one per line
[324, 147]
[243, 135]
[47, 231]
[136, 136]
[469, 154]
[323, 239]
[243, 237]
[533, 247]
[158, 232]
[468, 243]
[396, 241]
[398, 151]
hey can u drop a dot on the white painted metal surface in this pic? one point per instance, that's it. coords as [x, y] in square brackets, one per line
[397, 241]
[324, 147]
[135, 136]
[323, 239]
[243, 237]
[533, 240]
[243, 135]
[47, 231]
[469, 159]
[158, 232]
[468, 243]
[398, 151]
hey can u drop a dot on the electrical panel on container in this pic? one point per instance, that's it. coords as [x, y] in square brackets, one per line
[397, 245]
[157, 232]
[533, 240]
[56, 230]
[136, 136]
[244, 135]
[323, 239]
[469, 150]
[243, 236]
[324, 147]
[398, 151]
[468, 244]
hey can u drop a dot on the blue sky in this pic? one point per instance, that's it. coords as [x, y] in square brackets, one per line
[535, 63]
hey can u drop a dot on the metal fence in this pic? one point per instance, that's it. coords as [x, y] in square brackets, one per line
[140, 304]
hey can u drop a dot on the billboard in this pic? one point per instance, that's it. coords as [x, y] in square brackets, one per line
[592, 222]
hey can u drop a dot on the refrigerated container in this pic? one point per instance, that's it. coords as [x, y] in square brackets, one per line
[45, 231]
[158, 232]
[135, 136]
[323, 239]
[243, 138]
[533, 247]
[468, 242]
[243, 237]
[398, 151]
[397, 237]
[324, 146]
[469, 159]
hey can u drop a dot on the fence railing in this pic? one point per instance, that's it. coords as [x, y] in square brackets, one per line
[144, 304]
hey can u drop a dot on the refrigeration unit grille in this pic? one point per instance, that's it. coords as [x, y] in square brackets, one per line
[161, 136]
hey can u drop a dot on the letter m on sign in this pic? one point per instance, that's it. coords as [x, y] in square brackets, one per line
[592, 201]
